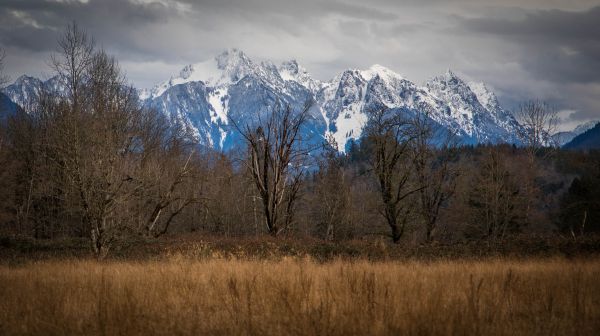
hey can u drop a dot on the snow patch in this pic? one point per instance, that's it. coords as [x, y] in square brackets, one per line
[219, 101]
[585, 126]
[349, 124]
[384, 73]
[483, 94]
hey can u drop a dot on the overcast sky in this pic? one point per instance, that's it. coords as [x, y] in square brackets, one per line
[523, 49]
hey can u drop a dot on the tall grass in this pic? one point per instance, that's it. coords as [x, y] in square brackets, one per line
[301, 297]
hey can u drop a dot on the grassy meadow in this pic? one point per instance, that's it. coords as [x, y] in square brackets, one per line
[299, 296]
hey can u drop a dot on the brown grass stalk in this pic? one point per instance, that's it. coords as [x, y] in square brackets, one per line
[300, 297]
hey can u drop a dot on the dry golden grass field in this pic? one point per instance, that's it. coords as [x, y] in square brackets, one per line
[295, 296]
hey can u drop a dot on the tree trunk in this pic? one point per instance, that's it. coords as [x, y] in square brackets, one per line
[396, 232]
[429, 236]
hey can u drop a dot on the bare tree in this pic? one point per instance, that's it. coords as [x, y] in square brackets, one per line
[433, 150]
[116, 168]
[391, 138]
[496, 196]
[331, 200]
[171, 183]
[540, 121]
[276, 159]
[100, 143]
[72, 61]
[100, 159]
[23, 141]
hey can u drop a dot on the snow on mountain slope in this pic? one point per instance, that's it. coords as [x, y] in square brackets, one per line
[208, 99]
[562, 138]
[341, 103]
[586, 126]
[291, 71]
[227, 68]
[212, 97]
[484, 122]
[350, 97]
[589, 139]
[489, 101]
[485, 97]
[25, 90]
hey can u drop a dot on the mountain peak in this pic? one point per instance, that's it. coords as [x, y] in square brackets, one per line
[291, 70]
[207, 94]
[379, 68]
[232, 57]
[25, 79]
[450, 74]
[448, 81]
[291, 67]
[187, 71]
[228, 67]
[448, 78]
[381, 71]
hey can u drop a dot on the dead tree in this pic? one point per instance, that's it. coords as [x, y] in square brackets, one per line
[391, 138]
[275, 161]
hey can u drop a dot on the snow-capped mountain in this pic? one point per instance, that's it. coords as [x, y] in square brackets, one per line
[349, 98]
[588, 139]
[475, 109]
[211, 98]
[562, 138]
[26, 89]
[586, 126]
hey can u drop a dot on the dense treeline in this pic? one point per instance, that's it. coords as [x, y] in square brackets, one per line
[92, 161]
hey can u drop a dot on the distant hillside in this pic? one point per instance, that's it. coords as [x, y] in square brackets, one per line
[563, 138]
[7, 107]
[587, 140]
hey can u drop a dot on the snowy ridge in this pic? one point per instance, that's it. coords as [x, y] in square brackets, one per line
[24, 90]
[206, 97]
[585, 126]
[562, 138]
[291, 71]
[221, 70]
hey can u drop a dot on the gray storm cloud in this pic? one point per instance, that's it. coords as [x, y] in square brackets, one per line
[545, 49]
